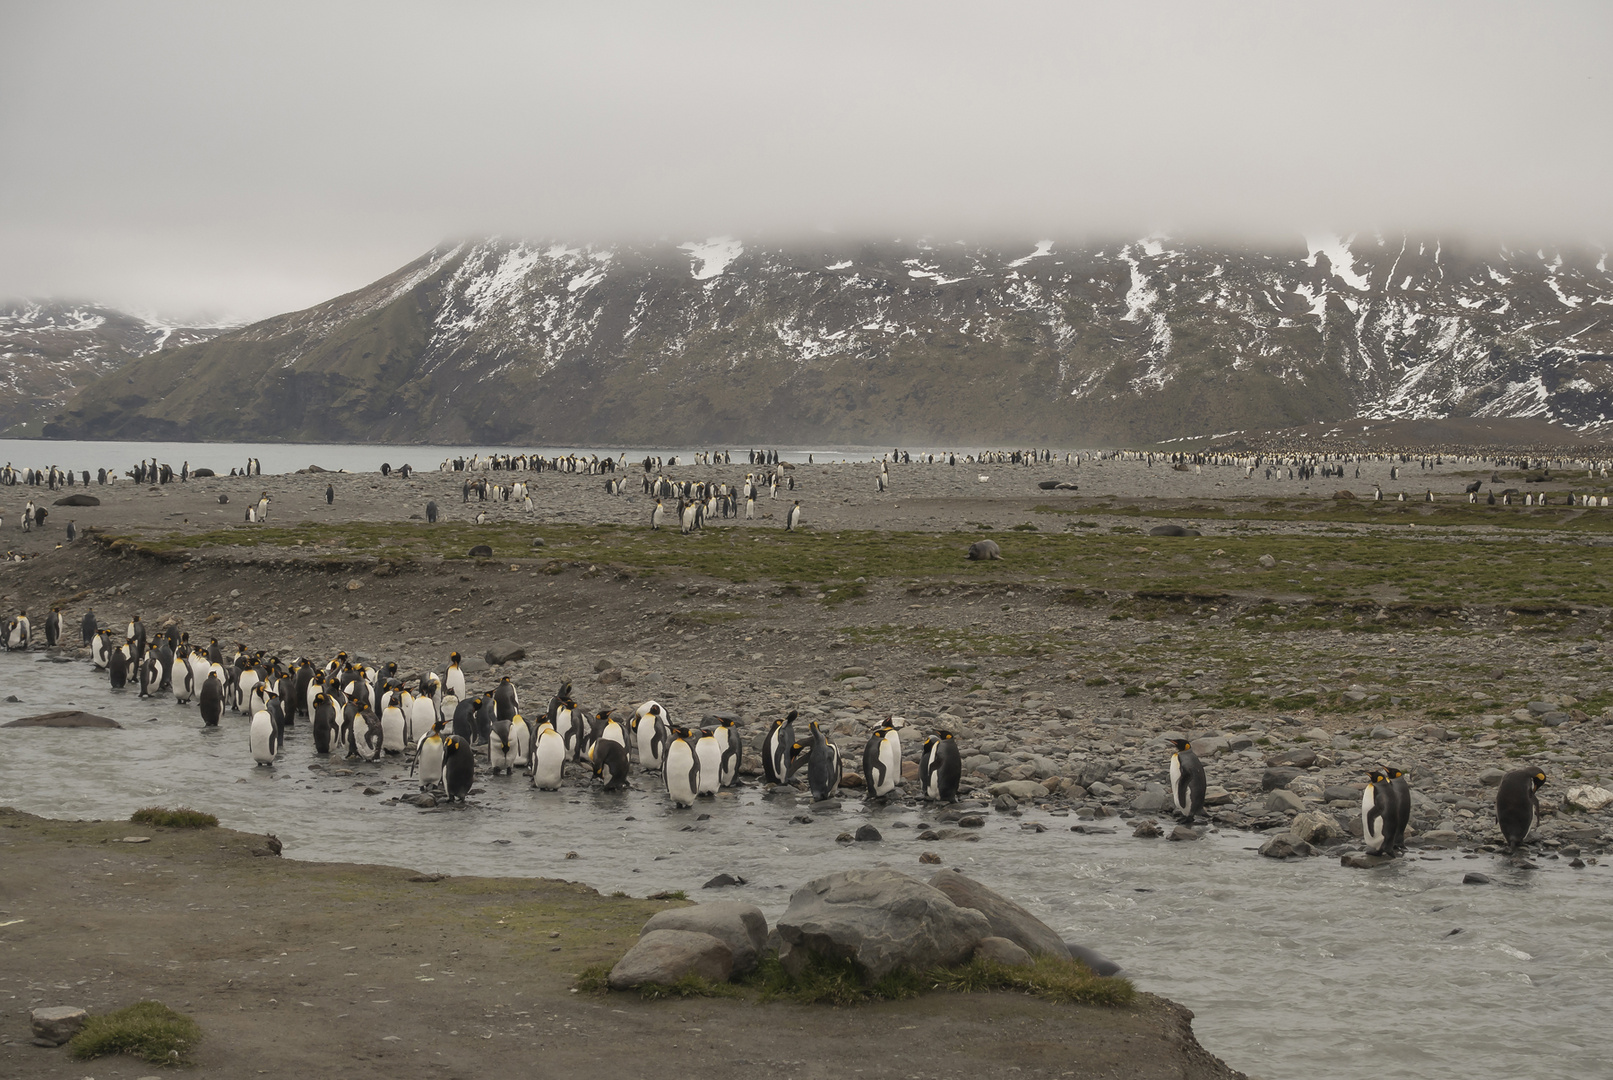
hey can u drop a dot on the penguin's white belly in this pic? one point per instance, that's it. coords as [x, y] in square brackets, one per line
[548, 759]
[708, 751]
[262, 738]
[520, 742]
[680, 787]
[890, 756]
[455, 682]
[430, 764]
[1176, 785]
[1374, 829]
[422, 714]
[394, 737]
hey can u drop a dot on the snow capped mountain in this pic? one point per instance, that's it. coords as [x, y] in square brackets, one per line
[508, 341]
[49, 350]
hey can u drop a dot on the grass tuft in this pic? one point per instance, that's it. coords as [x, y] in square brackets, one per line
[592, 979]
[147, 1029]
[1067, 981]
[178, 818]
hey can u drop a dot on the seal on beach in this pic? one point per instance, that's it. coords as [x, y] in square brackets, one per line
[1516, 806]
[776, 746]
[681, 771]
[548, 758]
[823, 765]
[1187, 781]
[882, 762]
[981, 550]
[264, 737]
[1377, 812]
[458, 768]
[940, 767]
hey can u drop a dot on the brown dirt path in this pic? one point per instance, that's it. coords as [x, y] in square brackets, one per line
[307, 969]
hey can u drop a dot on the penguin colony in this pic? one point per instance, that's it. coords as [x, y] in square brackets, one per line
[446, 730]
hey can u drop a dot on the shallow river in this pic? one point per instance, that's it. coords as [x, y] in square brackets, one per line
[1293, 969]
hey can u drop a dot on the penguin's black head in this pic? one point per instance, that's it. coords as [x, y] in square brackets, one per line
[1538, 778]
[1394, 774]
[1181, 744]
[1376, 776]
[789, 717]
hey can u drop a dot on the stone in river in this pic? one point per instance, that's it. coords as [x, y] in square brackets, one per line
[1182, 832]
[1475, 878]
[67, 718]
[1283, 846]
[1147, 829]
[1364, 862]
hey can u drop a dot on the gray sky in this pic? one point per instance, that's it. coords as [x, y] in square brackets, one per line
[240, 160]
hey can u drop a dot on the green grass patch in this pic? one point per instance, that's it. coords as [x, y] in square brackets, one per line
[179, 817]
[1440, 570]
[147, 1029]
[1068, 982]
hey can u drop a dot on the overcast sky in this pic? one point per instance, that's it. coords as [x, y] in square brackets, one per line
[243, 159]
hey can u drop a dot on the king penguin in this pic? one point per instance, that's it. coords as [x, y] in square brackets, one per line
[792, 520]
[548, 758]
[1377, 813]
[1401, 789]
[882, 762]
[1516, 806]
[823, 765]
[1187, 781]
[776, 749]
[680, 770]
[940, 767]
[458, 768]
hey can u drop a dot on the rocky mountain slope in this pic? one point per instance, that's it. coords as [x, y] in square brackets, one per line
[49, 350]
[509, 342]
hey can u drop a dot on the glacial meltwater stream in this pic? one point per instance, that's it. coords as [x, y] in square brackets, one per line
[1294, 969]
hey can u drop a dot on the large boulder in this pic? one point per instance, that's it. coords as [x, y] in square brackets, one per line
[740, 926]
[665, 956]
[1000, 950]
[879, 918]
[1007, 919]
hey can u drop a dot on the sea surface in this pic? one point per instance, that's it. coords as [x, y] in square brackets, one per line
[1293, 969]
